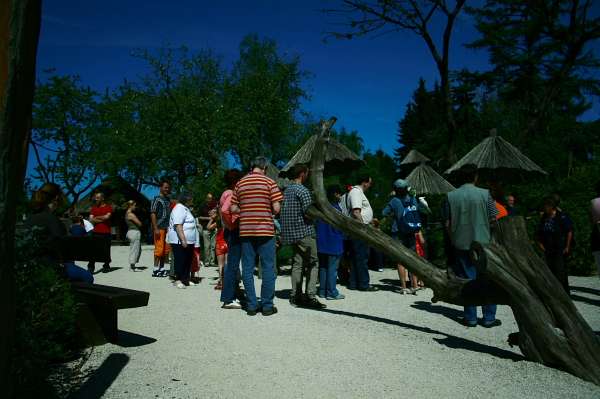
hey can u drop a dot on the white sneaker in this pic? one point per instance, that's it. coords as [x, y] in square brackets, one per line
[191, 283]
[232, 305]
[179, 285]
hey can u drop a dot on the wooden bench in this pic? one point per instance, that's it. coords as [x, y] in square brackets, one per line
[104, 301]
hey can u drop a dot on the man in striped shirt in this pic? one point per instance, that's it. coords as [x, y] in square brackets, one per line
[257, 198]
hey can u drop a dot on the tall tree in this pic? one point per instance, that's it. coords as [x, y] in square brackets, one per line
[422, 126]
[171, 123]
[416, 16]
[263, 96]
[65, 121]
[19, 33]
[542, 59]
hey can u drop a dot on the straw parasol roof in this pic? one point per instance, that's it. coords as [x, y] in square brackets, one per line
[338, 158]
[273, 173]
[496, 153]
[425, 180]
[413, 157]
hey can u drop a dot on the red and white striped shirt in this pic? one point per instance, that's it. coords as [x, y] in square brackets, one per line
[255, 194]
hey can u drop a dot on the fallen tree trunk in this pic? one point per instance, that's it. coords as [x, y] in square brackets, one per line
[551, 330]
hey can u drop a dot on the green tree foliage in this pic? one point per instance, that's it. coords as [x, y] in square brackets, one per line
[65, 126]
[543, 65]
[171, 123]
[262, 101]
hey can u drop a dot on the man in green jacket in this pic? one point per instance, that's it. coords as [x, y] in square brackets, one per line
[470, 211]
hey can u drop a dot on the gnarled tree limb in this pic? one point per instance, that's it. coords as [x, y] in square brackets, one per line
[551, 330]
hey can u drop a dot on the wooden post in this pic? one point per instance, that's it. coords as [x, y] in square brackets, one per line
[19, 32]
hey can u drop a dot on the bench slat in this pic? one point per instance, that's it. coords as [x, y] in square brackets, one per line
[119, 298]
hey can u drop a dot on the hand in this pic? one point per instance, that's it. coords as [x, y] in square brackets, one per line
[156, 234]
[567, 251]
[184, 244]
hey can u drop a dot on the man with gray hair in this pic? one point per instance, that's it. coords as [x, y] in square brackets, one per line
[257, 198]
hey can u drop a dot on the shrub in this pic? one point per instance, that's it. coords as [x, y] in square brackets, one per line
[46, 311]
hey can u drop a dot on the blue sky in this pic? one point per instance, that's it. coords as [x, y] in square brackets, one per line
[365, 82]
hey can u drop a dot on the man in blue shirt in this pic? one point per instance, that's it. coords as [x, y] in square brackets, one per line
[406, 224]
[330, 247]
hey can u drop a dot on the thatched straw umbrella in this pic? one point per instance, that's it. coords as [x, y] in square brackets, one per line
[339, 158]
[495, 153]
[414, 157]
[273, 173]
[425, 180]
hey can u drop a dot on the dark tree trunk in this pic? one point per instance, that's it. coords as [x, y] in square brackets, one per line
[19, 31]
[551, 330]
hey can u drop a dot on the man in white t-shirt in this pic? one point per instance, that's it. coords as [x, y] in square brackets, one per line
[360, 209]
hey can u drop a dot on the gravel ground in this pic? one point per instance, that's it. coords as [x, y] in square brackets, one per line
[380, 344]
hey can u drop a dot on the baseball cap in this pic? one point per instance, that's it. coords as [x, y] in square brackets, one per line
[401, 183]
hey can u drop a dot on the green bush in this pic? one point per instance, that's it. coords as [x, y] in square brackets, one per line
[46, 311]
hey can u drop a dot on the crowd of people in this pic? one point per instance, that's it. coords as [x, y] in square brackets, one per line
[253, 217]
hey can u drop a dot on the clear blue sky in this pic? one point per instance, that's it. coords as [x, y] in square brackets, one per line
[365, 82]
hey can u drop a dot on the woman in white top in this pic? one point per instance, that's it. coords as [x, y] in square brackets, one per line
[182, 236]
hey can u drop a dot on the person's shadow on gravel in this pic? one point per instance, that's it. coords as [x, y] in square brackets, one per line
[450, 341]
[451, 313]
[283, 294]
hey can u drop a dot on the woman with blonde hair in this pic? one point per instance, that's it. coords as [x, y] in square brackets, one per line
[134, 235]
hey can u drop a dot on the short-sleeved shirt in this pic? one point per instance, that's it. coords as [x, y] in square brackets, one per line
[358, 200]
[183, 216]
[294, 226]
[102, 227]
[552, 232]
[161, 207]
[255, 194]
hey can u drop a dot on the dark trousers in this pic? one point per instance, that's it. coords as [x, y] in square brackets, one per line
[92, 265]
[557, 264]
[359, 274]
[183, 261]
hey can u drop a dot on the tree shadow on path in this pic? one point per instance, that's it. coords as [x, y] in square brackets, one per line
[589, 301]
[102, 378]
[449, 341]
[586, 290]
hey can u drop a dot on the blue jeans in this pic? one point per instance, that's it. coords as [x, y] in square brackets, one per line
[328, 265]
[265, 248]
[465, 269]
[76, 273]
[232, 268]
[359, 274]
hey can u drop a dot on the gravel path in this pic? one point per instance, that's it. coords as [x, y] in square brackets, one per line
[381, 344]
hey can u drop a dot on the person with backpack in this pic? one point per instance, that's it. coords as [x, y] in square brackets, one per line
[406, 227]
[555, 238]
